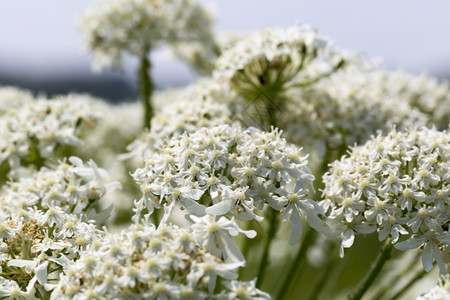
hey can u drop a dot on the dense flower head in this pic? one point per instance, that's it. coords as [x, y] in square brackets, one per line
[112, 28]
[12, 98]
[423, 92]
[202, 55]
[115, 127]
[70, 187]
[225, 170]
[33, 132]
[441, 291]
[147, 263]
[344, 109]
[268, 60]
[45, 223]
[194, 109]
[397, 184]
[36, 246]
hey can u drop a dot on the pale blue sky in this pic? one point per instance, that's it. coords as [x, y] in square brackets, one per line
[41, 38]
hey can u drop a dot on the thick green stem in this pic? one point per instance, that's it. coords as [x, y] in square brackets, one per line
[297, 263]
[273, 227]
[146, 89]
[375, 269]
[413, 280]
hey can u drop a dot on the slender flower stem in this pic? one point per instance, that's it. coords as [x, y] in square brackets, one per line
[155, 217]
[375, 269]
[310, 234]
[35, 154]
[146, 89]
[394, 282]
[246, 245]
[273, 215]
[325, 275]
[413, 280]
[297, 263]
[273, 227]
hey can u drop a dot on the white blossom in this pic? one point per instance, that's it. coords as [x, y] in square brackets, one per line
[159, 269]
[225, 170]
[112, 28]
[390, 185]
[32, 133]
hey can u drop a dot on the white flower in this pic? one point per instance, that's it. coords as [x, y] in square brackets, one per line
[212, 267]
[11, 290]
[160, 268]
[346, 108]
[243, 291]
[438, 292]
[269, 60]
[393, 184]
[226, 170]
[215, 236]
[133, 26]
[73, 187]
[33, 132]
[194, 109]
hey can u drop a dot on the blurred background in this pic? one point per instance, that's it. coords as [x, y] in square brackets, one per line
[41, 47]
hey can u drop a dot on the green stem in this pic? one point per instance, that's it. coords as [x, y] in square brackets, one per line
[146, 89]
[273, 226]
[416, 278]
[325, 275]
[375, 269]
[394, 282]
[312, 80]
[319, 184]
[35, 155]
[246, 248]
[297, 263]
[155, 217]
[26, 249]
[271, 111]
[310, 234]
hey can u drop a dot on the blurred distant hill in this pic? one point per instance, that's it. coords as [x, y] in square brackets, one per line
[113, 87]
[108, 86]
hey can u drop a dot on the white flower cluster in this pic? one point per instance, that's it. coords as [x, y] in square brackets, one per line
[147, 263]
[72, 187]
[35, 245]
[36, 128]
[398, 184]
[115, 126]
[202, 56]
[12, 98]
[43, 225]
[426, 93]
[268, 60]
[344, 109]
[193, 110]
[226, 170]
[137, 26]
[438, 292]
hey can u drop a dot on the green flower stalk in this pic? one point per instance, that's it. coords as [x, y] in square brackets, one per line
[113, 28]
